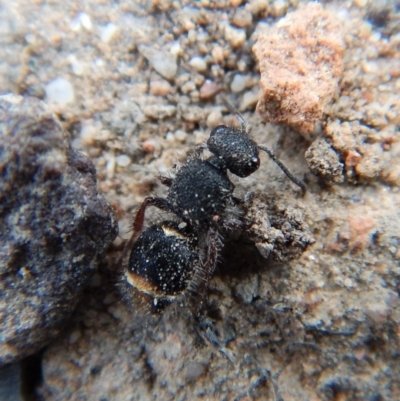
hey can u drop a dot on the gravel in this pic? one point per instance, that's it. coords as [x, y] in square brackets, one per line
[327, 319]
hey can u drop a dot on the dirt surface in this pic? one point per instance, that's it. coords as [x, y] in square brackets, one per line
[137, 84]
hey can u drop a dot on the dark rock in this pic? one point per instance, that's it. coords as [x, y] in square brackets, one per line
[54, 226]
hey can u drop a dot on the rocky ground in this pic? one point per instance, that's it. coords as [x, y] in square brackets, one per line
[138, 84]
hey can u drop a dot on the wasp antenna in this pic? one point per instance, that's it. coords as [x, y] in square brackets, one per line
[295, 180]
[233, 110]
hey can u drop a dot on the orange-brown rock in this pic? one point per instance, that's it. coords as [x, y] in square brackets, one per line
[300, 63]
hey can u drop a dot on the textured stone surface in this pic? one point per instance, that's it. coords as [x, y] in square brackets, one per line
[278, 231]
[333, 313]
[367, 153]
[362, 124]
[330, 313]
[55, 225]
[324, 162]
[300, 63]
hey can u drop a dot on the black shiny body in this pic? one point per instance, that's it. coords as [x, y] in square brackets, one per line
[163, 257]
[200, 192]
[235, 149]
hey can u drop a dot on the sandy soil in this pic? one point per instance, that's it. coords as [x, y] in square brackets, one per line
[136, 84]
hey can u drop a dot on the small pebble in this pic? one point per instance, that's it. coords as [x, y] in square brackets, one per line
[369, 67]
[148, 146]
[195, 96]
[256, 7]
[159, 111]
[190, 16]
[241, 65]
[123, 160]
[279, 8]
[86, 21]
[99, 63]
[110, 167]
[88, 133]
[160, 88]
[198, 80]
[188, 87]
[360, 3]
[344, 101]
[202, 36]
[163, 62]
[365, 30]
[348, 282]
[82, 20]
[60, 91]
[75, 24]
[375, 37]
[209, 89]
[180, 135]
[214, 119]
[77, 67]
[343, 14]
[352, 158]
[218, 54]
[108, 32]
[176, 49]
[192, 36]
[238, 83]
[242, 18]
[198, 63]
[376, 309]
[170, 137]
[249, 100]
[235, 36]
